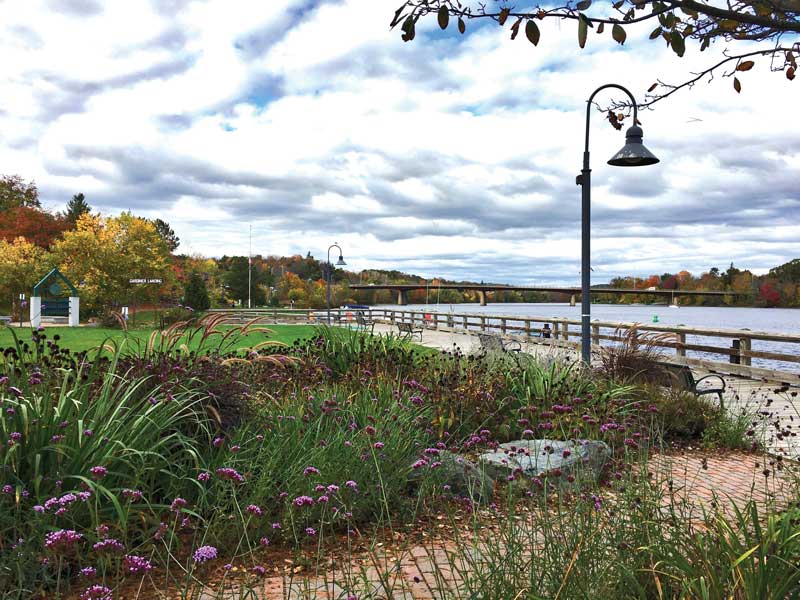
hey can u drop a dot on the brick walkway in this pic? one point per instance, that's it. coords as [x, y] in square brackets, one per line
[420, 572]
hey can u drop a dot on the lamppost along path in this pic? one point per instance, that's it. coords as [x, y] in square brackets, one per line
[329, 266]
[632, 154]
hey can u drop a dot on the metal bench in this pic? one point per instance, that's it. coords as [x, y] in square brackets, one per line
[409, 330]
[682, 377]
[493, 343]
[364, 323]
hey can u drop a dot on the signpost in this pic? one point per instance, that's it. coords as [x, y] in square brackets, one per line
[140, 281]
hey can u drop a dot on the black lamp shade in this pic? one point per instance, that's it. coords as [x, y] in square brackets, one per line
[633, 153]
[341, 263]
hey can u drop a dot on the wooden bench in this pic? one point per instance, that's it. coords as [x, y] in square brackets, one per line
[682, 377]
[493, 343]
[409, 330]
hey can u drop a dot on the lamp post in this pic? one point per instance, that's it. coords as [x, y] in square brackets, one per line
[339, 263]
[632, 154]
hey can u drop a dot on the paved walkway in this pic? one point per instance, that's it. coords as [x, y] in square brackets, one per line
[428, 571]
[775, 409]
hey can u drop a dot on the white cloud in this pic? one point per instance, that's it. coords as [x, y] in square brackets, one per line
[450, 155]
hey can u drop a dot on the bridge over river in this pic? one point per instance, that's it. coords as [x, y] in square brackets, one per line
[482, 290]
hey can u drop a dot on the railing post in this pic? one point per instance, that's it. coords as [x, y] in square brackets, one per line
[503, 326]
[464, 323]
[736, 354]
[680, 348]
[595, 335]
[450, 321]
[527, 328]
[483, 323]
[564, 331]
[745, 345]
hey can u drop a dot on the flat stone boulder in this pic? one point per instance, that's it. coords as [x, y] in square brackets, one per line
[571, 461]
[462, 478]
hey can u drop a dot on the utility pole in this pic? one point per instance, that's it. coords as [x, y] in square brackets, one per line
[250, 267]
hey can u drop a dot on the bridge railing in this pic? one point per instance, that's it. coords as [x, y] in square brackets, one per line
[754, 354]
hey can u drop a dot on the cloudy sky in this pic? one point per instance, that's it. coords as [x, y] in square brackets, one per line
[449, 156]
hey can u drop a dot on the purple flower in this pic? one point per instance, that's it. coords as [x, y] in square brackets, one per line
[132, 495]
[311, 531]
[62, 540]
[310, 471]
[109, 545]
[7, 489]
[38, 508]
[230, 474]
[235, 448]
[204, 554]
[56, 438]
[88, 572]
[351, 484]
[98, 472]
[136, 564]
[323, 499]
[303, 501]
[276, 525]
[16, 391]
[218, 441]
[264, 541]
[177, 505]
[204, 476]
[254, 510]
[370, 430]
[88, 432]
[420, 463]
[16, 436]
[378, 445]
[97, 592]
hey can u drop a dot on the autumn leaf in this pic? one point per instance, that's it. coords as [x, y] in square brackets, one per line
[601, 28]
[618, 33]
[737, 85]
[462, 27]
[678, 45]
[745, 66]
[652, 87]
[655, 33]
[790, 73]
[503, 16]
[532, 32]
[444, 17]
[583, 4]
[515, 28]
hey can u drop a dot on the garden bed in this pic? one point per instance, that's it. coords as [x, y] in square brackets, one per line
[183, 467]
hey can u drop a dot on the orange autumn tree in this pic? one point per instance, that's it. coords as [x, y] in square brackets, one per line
[35, 225]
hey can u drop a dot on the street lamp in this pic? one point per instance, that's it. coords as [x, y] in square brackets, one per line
[339, 263]
[632, 154]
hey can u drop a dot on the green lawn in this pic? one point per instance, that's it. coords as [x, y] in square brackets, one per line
[86, 338]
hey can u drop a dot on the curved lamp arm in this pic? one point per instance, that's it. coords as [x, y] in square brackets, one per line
[589, 106]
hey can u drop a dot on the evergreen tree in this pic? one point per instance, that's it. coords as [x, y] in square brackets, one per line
[77, 207]
[195, 293]
[236, 280]
[167, 234]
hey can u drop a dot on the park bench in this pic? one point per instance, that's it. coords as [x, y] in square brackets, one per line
[681, 376]
[409, 330]
[494, 343]
[5, 320]
[364, 323]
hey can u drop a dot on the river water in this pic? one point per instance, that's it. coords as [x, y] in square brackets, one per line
[774, 320]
